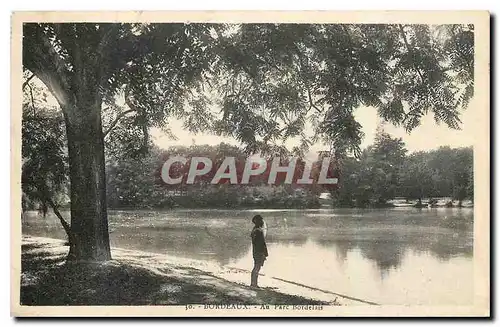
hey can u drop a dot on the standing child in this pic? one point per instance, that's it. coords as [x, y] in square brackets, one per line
[259, 248]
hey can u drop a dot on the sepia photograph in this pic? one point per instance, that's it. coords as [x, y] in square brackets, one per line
[250, 164]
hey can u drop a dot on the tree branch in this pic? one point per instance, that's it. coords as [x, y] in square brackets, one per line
[410, 51]
[108, 29]
[304, 79]
[467, 62]
[109, 33]
[41, 58]
[28, 80]
[346, 32]
[64, 223]
[42, 196]
[311, 103]
[141, 112]
[32, 99]
[116, 120]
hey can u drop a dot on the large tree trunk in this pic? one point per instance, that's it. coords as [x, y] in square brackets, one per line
[89, 220]
[77, 90]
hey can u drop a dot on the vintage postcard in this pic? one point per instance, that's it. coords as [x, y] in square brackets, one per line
[246, 164]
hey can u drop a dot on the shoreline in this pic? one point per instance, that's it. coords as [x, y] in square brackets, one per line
[287, 208]
[143, 278]
[258, 209]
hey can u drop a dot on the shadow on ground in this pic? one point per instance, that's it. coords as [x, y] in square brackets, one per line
[47, 279]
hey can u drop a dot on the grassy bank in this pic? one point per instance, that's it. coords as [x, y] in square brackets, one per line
[131, 278]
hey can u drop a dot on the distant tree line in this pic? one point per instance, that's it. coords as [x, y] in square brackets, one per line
[386, 171]
[383, 172]
[136, 182]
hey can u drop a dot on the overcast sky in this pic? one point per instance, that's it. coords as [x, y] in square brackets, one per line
[427, 136]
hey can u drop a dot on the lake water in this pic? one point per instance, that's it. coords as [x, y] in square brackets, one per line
[388, 256]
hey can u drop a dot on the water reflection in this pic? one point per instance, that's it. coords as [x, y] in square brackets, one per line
[388, 251]
[382, 236]
[197, 239]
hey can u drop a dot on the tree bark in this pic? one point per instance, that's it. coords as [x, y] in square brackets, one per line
[89, 220]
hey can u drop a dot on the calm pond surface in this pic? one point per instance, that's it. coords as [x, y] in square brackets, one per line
[389, 256]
